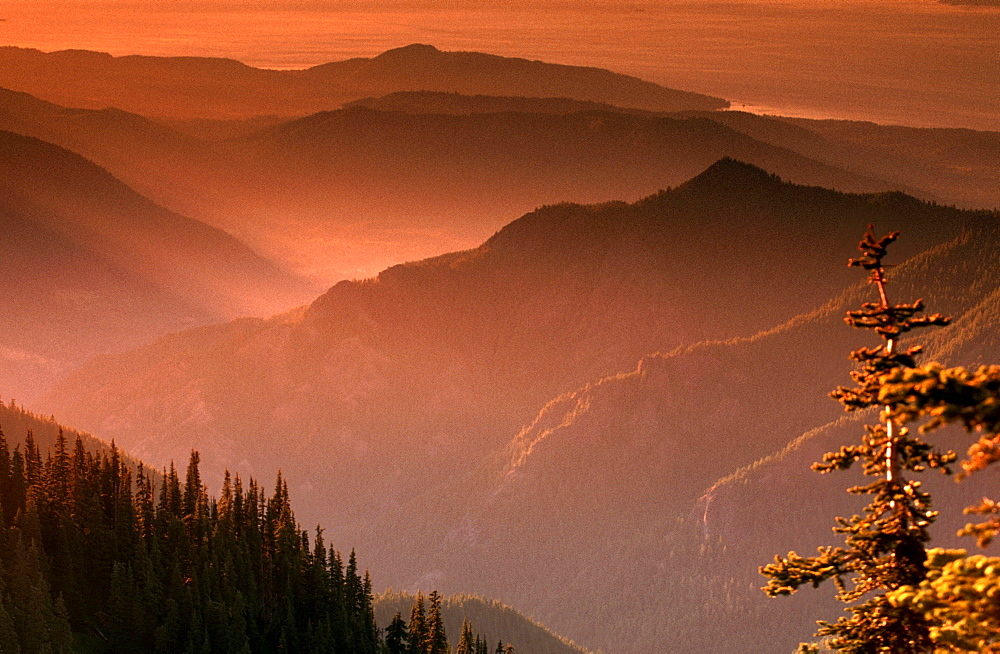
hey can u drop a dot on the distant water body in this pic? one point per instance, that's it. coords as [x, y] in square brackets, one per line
[911, 62]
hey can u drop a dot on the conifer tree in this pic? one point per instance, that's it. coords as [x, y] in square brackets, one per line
[419, 633]
[466, 642]
[396, 636]
[886, 544]
[437, 638]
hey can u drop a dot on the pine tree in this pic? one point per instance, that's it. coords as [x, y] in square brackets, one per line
[886, 545]
[419, 634]
[396, 636]
[466, 642]
[437, 638]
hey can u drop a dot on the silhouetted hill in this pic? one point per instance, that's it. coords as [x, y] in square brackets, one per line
[198, 87]
[440, 176]
[145, 154]
[438, 102]
[490, 618]
[100, 268]
[407, 388]
[954, 165]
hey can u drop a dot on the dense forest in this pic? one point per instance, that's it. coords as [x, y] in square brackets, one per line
[127, 565]
[95, 560]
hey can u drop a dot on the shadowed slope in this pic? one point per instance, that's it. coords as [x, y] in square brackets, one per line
[100, 268]
[626, 462]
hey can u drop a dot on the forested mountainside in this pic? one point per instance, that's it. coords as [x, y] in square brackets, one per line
[644, 454]
[409, 389]
[224, 88]
[102, 554]
[16, 421]
[97, 560]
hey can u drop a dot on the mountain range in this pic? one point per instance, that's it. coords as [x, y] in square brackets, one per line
[603, 414]
[202, 87]
[431, 387]
[344, 193]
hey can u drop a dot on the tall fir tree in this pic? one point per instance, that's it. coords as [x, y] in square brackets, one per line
[419, 632]
[396, 636]
[885, 546]
[466, 642]
[437, 638]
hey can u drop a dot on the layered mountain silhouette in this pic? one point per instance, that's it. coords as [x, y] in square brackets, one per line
[345, 193]
[198, 87]
[958, 166]
[414, 390]
[99, 268]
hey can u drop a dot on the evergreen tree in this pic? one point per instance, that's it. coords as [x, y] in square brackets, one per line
[885, 546]
[436, 636]
[396, 636]
[184, 573]
[418, 628]
[466, 642]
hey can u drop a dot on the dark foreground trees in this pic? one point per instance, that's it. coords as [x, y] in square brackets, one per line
[131, 565]
[899, 600]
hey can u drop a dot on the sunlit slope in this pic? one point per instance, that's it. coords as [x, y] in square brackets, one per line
[99, 268]
[620, 479]
[489, 618]
[201, 87]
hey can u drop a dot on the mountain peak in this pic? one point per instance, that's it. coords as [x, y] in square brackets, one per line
[733, 172]
[409, 51]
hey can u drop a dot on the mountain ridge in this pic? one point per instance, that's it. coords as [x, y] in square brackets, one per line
[231, 89]
[102, 269]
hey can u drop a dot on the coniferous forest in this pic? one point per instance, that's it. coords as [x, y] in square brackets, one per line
[102, 554]
[130, 560]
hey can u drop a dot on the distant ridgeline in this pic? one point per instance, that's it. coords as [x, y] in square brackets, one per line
[96, 559]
